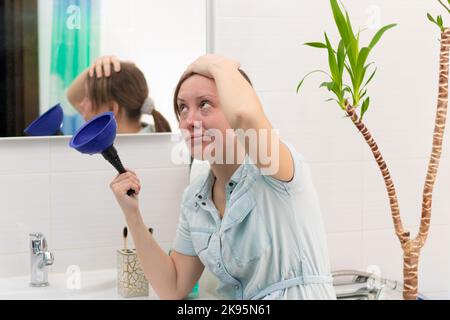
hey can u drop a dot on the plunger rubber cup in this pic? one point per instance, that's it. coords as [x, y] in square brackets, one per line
[111, 155]
[97, 136]
[48, 124]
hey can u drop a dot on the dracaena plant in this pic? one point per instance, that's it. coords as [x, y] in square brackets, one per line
[349, 57]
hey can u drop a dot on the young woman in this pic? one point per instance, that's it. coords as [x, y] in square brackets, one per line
[259, 231]
[120, 87]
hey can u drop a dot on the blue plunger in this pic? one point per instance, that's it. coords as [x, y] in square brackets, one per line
[97, 136]
[48, 124]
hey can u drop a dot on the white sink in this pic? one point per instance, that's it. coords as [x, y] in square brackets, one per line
[94, 285]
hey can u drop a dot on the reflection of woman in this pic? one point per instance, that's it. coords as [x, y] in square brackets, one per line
[122, 90]
[261, 234]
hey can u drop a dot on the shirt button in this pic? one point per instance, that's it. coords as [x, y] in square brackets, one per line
[236, 287]
[203, 203]
[218, 264]
[200, 196]
[230, 184]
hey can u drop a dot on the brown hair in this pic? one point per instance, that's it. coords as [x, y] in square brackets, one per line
[129, 89]
[187, 76]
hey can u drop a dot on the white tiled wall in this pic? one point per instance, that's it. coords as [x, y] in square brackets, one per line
[50, 188]
[266, 36]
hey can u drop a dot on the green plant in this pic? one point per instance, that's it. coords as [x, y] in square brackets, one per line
[349, 57]
[438, 20]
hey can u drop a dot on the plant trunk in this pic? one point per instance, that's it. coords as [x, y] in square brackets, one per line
[410, 272]
[438, 137]
[411, 248]
[402, 234]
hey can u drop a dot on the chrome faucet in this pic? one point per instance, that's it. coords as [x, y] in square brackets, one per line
[40, 259]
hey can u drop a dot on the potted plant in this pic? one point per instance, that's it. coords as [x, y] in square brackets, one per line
[351, 59]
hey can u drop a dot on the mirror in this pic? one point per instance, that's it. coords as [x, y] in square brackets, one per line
[53, 41]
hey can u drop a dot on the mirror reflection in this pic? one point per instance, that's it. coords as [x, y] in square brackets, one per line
[134, 50]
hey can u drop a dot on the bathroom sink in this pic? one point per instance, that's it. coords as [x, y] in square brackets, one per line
[94, 285]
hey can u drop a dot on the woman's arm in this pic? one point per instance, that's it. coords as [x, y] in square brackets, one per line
[77, 90]
[172, 277]
[243, 110]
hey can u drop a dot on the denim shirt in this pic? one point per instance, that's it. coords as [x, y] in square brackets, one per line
[271, 236]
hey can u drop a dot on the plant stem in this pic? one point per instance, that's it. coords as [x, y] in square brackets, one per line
[438, 137]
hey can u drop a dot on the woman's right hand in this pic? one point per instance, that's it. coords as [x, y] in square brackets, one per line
[120, 185]
[102, 66]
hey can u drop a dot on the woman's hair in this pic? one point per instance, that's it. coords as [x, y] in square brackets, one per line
[129, 89]
[187, 76]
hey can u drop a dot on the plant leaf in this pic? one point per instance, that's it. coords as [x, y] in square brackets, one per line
[308, 74]
[332, 60]
[340, 21]
[370, 78]
[341, 57]
[379, 34]
[430, 17]
[440, 22]
[363, 94]
[352, 45]
[443, 4]
[316, 45]
[364, 107]
[360, 70]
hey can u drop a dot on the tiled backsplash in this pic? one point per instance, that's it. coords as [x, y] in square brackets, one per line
[50, 188]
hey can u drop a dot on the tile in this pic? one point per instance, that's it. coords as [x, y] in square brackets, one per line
[91, 217]
[24, 208]
[84, 212]
[14, 264]
[345, 250]
[408, 177]
[434, 263]
[319, 129]
[135, 151]
[339, 187]
[24, 155]
[265, 8]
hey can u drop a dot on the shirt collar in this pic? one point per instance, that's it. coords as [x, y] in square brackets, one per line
[203, 191]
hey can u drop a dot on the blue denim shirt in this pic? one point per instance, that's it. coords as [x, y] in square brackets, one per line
[271, 238]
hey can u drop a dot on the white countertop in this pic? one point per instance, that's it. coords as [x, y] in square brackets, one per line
[94, 285]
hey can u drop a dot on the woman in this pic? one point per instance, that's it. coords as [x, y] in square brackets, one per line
[122, 90]
[255, 225]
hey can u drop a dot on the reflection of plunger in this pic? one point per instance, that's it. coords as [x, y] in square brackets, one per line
[48, 124]
[97, 136]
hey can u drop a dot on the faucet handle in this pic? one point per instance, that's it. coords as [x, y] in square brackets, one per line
[48, 258]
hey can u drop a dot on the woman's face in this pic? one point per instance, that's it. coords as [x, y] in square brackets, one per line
[201, 117]
[87, 110]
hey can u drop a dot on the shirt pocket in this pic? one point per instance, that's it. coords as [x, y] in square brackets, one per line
[248, 241]
[200, 240]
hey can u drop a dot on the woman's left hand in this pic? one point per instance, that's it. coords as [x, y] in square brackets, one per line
[206, 64]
